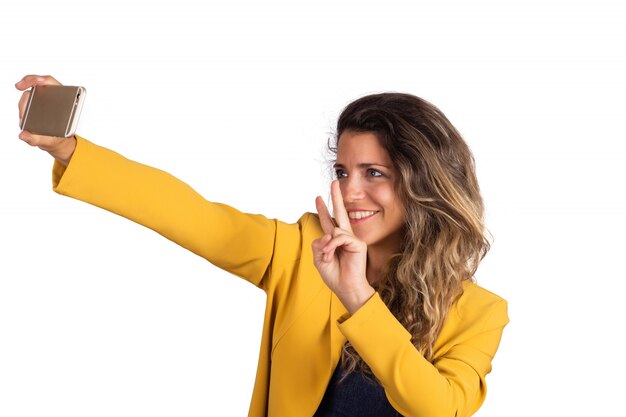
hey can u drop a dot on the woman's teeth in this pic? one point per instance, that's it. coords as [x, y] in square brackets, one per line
[360, 214]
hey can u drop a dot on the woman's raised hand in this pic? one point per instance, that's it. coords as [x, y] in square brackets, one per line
[60, 148]
[339, 256]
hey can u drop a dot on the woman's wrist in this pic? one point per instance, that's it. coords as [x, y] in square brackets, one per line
[64, 151]
[357, 299]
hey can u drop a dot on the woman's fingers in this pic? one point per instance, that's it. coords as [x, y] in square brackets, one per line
[28, 82]
[325, 220]
[325, 247]
[339, 235]
[33, 80]
[320, 255]
[31, 139]
[339, 210]
[45, 143]
[344, 240]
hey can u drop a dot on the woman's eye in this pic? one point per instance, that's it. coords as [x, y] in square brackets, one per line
[374, 172]
[340, 173]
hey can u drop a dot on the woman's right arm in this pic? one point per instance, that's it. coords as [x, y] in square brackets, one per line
[240, 243]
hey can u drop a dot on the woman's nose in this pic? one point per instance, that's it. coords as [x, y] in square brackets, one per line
[352, 188]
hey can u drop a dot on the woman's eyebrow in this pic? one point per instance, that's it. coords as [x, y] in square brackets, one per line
[363, 165]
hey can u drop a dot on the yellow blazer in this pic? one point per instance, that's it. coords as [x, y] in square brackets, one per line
[305, 325]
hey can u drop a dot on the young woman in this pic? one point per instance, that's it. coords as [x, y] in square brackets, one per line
[372, 313]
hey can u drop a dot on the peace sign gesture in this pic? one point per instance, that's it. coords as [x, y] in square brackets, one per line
[339, 256]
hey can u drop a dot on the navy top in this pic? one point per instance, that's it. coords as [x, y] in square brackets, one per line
[355, 396]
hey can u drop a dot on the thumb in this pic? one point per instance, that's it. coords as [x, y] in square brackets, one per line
[43, 142]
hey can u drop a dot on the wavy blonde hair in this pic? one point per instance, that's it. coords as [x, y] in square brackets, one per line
[445, 238]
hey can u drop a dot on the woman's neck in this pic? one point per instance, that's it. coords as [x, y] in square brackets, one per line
[376, 261]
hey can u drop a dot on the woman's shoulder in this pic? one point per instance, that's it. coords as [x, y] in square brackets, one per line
[477, 312]
[475, 294]
[478, 307]
[309, 224]
[293, 239]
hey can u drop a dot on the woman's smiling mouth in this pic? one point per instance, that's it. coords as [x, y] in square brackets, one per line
[359, 216]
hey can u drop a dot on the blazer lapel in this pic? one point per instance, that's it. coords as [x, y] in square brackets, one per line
[337, 339]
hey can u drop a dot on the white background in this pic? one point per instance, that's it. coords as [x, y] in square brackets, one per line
[101, 317]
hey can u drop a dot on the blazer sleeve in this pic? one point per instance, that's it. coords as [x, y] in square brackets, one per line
[453, 384]
[239, 243]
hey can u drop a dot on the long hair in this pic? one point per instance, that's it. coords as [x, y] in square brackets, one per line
[444, 238]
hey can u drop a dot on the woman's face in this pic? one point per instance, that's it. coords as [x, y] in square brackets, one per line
[368, 178]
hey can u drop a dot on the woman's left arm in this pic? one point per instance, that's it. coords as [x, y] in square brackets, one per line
[454, 383]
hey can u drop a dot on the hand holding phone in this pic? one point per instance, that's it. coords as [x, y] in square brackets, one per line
[55, 143]
[53, 110]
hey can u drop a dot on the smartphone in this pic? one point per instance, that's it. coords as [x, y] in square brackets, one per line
[53, 110]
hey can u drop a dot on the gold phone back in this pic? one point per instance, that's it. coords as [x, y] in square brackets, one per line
[51, 110]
